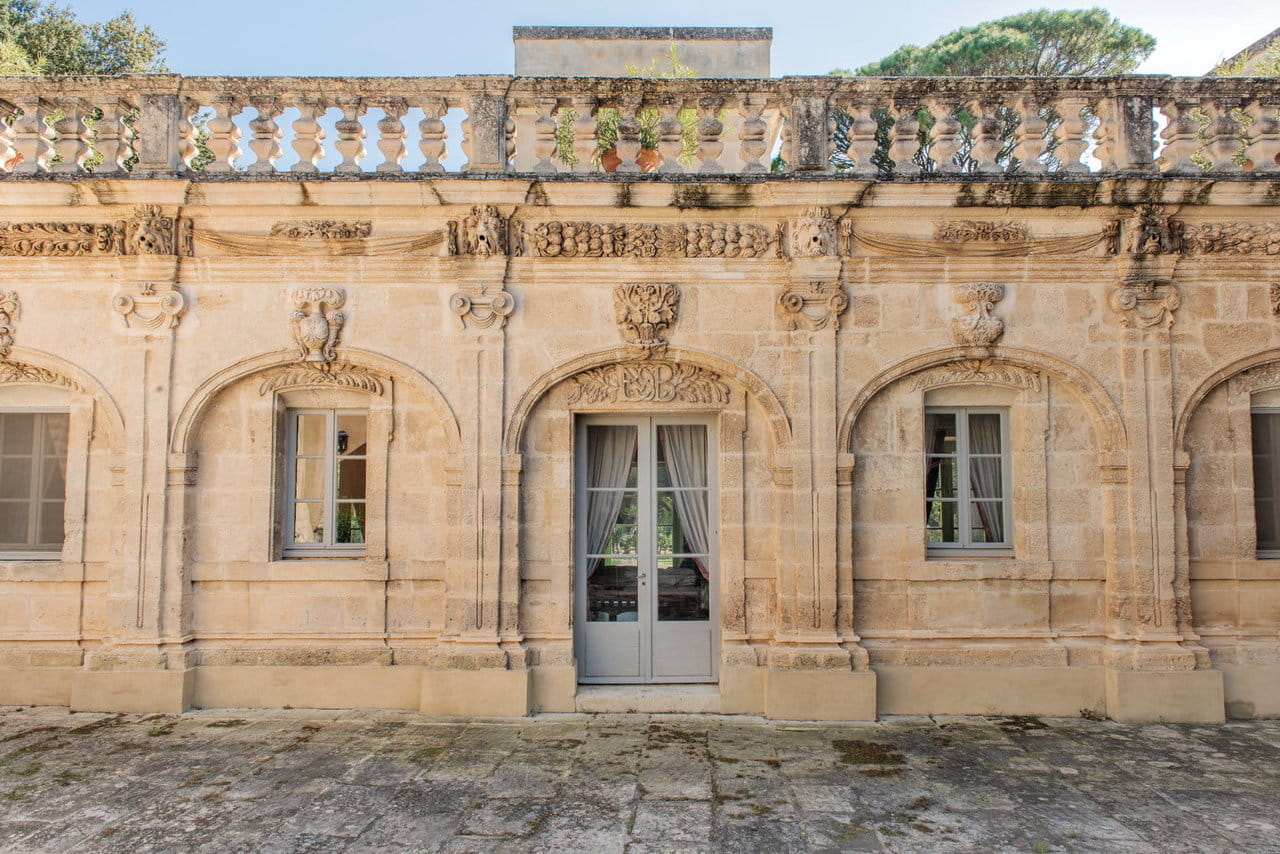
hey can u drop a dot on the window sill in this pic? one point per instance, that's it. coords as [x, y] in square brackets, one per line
[1268, 555]
[962, 554]
[15, 557]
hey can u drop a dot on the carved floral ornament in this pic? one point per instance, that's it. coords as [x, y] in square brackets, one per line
[316, 322]
[565, 239]
[644, 312]
[483, 308]
[812, 305]
[10, 308]
[322, 229]
[323, 375]
[649, 381]
[977, 327]
[148, 309]
[981, 371]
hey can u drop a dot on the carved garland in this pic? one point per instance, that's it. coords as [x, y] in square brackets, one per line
[322, 229]
[560, 239]
[331, 374]
[649, 382]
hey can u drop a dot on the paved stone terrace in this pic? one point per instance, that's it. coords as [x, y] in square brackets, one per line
[293, 781]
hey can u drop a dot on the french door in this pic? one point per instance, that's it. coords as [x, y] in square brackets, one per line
[646, 586]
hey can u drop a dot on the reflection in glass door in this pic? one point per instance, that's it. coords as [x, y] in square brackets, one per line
[646, 546]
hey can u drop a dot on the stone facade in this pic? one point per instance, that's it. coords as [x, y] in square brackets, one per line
[1122, 322]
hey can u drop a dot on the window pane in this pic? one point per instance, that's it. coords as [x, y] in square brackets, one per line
[940, 478]
[611, 456]
[682, 522]
[351, 479]
[352, 438]
[13, 522]
[1265, 507]
[18, 429]
[54, 475]
[683, 591]
[1268, 535]
[940, 432]
[682, 455]
[15, 478]
[55, 434]
[984, 433]
[311, 433]
[349, 523]
[940, 522]
[987, 518]
[308, 523]
[984, 478]
[611, 591]
[612, 518]
[50, 533]
[309, 479]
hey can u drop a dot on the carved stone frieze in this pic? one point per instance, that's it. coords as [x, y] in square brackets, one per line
[988, 246]
[10, 308]
[149, 309]
[812, 234]
[1233, 238]
[322, 229]
[649, 381]
[483, 308]
[148, 232]
[1261, 378]
[1144, 306]
[482, 233]
[812, 305]
[1273, 296]
[1152, 230]
[316, 321]
[977, 371]
[977, 327]
[21, 372]
[644, 311]
[979, 231]
[310, 375]
[566, 239]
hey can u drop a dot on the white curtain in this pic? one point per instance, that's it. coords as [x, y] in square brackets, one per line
[984, 474]
[686, 455]
[610, 452]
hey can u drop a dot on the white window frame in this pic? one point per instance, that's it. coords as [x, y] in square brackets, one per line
[1261, 553]
[964, 499]
[52, 553]
[330, 499]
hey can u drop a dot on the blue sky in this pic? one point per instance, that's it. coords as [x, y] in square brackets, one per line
[428, 38]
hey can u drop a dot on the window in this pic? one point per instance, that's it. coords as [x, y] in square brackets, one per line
[1266, 480]
[967, 479]
[33, 481]
[326, 481]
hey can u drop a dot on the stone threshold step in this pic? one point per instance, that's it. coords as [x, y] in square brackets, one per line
[689, 699]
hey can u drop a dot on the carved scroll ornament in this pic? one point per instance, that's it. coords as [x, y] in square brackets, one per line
[482, 308]
[644, 312]
[148, 309]
[1145, 306]
[316, 322]
[812, 305]
[978, 327]
[10, 308]
[649, 382]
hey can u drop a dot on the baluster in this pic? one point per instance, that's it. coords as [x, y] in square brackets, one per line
[72, 135]
[751, 145]
[1071, 135]
[986, 134]
[31, 136]
[224, 135]
[862, 137]
[1223, 135]
[1263, 152]
[509, 128]
[433, 134]
[187, 148]
[1104, 137]
[351, 134]
[905, 137]
[544, 135]
[308, 136]
[113, 137]
[391, 134]
[584, 134]
[266, 135]
[628, 148]
[1181, 136]
[710, 129]
[1031, 136]
[947, 133]
[670, 135]
[8, 154]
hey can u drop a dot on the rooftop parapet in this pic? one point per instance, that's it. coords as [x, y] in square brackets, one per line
[880, 128]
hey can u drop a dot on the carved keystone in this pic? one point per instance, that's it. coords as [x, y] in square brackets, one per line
[978, 327]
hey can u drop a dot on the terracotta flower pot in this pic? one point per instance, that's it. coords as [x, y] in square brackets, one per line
[648, 159]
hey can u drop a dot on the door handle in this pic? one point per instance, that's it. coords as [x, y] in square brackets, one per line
[642, 576]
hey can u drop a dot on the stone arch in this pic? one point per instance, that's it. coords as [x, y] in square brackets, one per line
[779, 423]
[26, 366]
[189, 418]
[1209, 383]
[1101, 407]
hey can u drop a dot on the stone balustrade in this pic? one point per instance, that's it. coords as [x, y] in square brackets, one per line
[867, 128]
